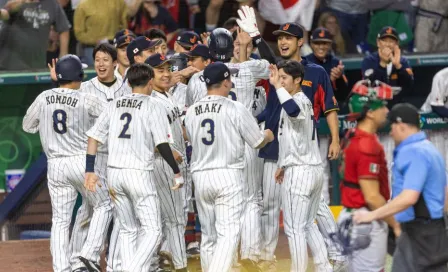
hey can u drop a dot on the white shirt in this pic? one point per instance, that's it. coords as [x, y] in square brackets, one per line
[439, 92]
[297, 136]
[218, 129]
[133, 128]
[62, 118]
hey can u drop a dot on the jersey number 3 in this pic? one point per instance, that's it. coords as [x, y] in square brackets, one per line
[211, 130]
[60, 121]
[128, 118]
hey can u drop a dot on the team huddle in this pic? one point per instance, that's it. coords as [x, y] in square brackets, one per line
[122, 141]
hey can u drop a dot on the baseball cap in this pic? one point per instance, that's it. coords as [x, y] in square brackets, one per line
[217, 72]
[123, 32]
[404, 113]
[123, 40]
[388, 31]
[199, 50]
[157, 60]
[188, 39]
[290, 29]
[140, 44]
[321, 34]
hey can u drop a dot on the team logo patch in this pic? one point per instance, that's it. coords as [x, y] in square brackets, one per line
[322, 33]
[307, 83]
[226, 74]
[374, 168]
[162, 57]
[193, 47]
[135, 50]
[394, 76]
[389, 30]
[286, 27]
[193, 40]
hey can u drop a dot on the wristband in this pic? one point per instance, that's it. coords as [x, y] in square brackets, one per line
[90, 163]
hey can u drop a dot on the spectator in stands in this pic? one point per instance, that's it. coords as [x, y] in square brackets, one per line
[25, 32]
[158, 35]
[321, 41]
[388, 65]
[97, 21]
[185, 41]
[152, 15]
[432, 26]
[122, 59]
[353, 19]
[341, 45]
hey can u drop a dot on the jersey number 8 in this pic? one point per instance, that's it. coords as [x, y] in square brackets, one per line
[211, 131]
[60, 121]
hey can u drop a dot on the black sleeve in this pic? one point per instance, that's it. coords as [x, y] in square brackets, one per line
[167, 154]
[440, 110]
[264, 50]
[341, 89]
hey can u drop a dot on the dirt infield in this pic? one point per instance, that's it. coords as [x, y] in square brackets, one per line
[25, 256]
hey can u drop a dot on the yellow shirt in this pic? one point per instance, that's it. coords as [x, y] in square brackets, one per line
[95, 20]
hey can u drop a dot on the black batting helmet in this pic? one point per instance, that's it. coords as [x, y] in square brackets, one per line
[220, 44]
[69, 68]
[180, 62]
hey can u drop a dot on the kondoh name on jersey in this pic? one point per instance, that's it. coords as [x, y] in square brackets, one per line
[61, 99]
[129, 103]
[215, 107]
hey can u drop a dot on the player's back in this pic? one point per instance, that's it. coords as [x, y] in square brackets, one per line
[297, 136]
[62, 117]
[216, 129]
[133, 119]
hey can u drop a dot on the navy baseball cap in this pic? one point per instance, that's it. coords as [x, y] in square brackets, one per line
[140, 44]
[290, 29]
[188, 38]
[321, 34]
[123, 32]
[157, 60]
[199, 50]
[123, 41]
[404, 113]
[217, 72]
[388, 31]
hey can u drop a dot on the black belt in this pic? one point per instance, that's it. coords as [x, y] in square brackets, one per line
[351, 185]
[432, 14]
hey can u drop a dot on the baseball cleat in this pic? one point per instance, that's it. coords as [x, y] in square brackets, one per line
[166, 256]
[91, 266]
[193, 250]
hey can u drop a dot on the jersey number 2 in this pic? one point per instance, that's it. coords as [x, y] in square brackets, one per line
[60, 121]
[128, 118]
[211, 131]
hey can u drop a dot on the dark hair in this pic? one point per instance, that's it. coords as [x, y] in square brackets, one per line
[139, 74]
[292, 68]
[155, 33]
[230, 23]
[64, 81]
[105, 48]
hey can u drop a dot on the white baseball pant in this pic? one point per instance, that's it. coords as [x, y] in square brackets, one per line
[220, 201]
[251, 232]
[323, 148]
[173, 206]
[301, 195]
[65, 180]
[373, 258]
[138, 211]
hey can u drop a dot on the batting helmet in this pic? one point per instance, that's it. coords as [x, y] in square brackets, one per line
[220, 44]
[180, 62]
[69, 68]
[352, 237]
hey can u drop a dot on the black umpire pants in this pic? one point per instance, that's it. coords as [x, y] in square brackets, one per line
[422, 247]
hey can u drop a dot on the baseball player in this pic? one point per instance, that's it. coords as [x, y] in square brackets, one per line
[140, 49]
[62, 116]
[122, 59]
[316, 85]
[133, 129]
[107, 87]
[364, 177]
[437, 102]
[179, 90]
[244, 91]
[217, 165]
[185, 41]
[299, 167]
[172, 203]
[199, 56]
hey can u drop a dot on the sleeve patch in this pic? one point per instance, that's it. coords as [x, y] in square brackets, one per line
[374, 168]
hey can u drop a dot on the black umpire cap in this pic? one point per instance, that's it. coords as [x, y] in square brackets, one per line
[404, 113]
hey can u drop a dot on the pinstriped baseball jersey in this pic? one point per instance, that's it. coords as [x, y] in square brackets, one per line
[118, 75]
[179, 93]
[173, 115]
[439, 92]
[218, 129]
[297, 136]
[133, 127]
[62, 117]
[249, 73]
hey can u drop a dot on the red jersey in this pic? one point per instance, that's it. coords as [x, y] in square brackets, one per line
[363, 157]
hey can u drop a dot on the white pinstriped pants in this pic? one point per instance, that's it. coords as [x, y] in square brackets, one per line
[220, 201]
[301, 196]
[138, 211]
[65, 180]
[173, 206]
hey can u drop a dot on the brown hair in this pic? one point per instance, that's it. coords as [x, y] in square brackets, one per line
[338, 39]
